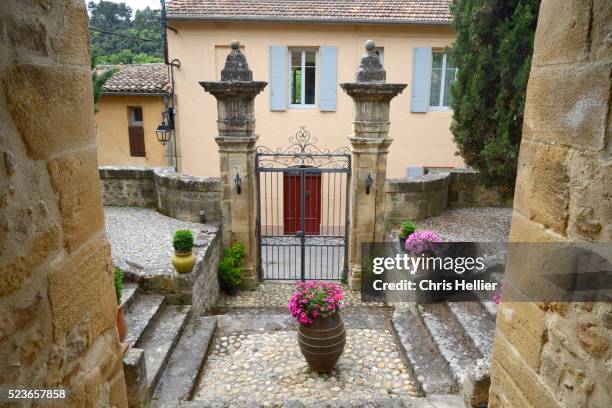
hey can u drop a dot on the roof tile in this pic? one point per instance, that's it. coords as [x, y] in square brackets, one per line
[332, 11]
[136, 79]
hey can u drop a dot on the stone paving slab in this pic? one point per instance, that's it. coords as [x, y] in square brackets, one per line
[139, 314]
[428, 366]
[159, 339]
[477, 324]
[267, 367]
[179, 378]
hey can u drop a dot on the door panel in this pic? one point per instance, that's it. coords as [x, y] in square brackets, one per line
[292, 203]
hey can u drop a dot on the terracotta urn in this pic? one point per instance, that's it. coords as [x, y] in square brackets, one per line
[183, 261]
[121, 324]
[322, 342]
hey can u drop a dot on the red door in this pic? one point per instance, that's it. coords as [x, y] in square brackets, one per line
[292, 203]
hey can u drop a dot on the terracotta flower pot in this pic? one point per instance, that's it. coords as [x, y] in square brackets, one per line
[322, 342]
[121, 325]
[183, 261]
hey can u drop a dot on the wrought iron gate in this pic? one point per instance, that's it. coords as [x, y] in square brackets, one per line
[302, 210]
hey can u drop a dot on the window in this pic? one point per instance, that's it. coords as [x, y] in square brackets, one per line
[443, 75]
[380, 51]
[136, 132]
[303, 77]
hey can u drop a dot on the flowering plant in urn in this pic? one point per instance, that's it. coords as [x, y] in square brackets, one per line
[321, 336]
[422, 241]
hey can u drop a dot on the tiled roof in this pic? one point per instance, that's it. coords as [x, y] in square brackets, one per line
[136, 79]
[331, 11]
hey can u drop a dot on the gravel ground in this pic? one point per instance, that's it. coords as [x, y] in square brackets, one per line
[143, 237]
[269, 367]
[485, 224]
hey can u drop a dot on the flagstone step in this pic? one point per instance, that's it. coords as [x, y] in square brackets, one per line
[182, 371]
[160, 339]
[428, 366]
[139, 314]
[454, 344]
[477, 323]
[128, 294]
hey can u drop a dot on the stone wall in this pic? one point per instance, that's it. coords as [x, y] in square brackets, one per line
[429, 195]
[557, 354]
[57, 301]
[175, 195]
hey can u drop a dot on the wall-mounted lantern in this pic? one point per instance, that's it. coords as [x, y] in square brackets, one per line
[164, 130]
[368, 184]
[238, 182]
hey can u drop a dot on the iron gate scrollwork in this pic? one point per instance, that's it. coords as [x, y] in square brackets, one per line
[302, 210]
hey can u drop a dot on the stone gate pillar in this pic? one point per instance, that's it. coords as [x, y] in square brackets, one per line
[235, 95]
[370, 143]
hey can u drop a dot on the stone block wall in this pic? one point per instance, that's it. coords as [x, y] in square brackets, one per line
[429, 195]
[466, 190]
[57, 301]
[557, 354]
[416, 198]
[175, 195]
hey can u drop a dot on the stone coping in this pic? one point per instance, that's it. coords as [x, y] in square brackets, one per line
[431, 181]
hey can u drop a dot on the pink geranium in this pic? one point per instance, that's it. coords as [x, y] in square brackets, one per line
[314, 299]
[420, 241]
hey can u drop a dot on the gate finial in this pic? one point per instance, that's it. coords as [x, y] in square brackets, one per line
[371, 69]
[236, 66]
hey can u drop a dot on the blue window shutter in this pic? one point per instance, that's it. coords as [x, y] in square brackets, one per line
[421, 79]
[328, 87]
[278, 78]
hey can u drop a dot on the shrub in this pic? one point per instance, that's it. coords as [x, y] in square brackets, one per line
[182, 240]
[406, 228]
[118, 281]
[492, 52]
[231, 266]
[315, 299]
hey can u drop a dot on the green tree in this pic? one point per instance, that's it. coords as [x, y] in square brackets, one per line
[493, 52]
[116, 37]
[99, 79]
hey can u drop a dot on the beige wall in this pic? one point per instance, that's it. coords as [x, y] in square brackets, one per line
[112, 130]
[552, 354]
[57, 302]
[419, 138]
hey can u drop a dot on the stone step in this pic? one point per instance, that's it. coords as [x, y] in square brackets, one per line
[183, 368]
[491, 308]
[449, 336]
[160, 338]
[139, 314]
[477, 323]
[427, 364]
[128, 294]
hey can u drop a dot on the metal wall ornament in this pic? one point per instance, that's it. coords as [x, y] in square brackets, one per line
[368, 184]
[238, 183]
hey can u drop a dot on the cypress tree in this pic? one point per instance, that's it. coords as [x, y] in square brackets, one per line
[493, 52]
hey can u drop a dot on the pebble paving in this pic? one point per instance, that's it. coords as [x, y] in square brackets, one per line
[268, 367]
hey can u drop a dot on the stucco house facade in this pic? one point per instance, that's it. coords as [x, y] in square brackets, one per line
[304, 50]
[129, 111]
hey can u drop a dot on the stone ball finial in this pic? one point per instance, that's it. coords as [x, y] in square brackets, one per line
[370, 45]
[235, 45]
[370, 70]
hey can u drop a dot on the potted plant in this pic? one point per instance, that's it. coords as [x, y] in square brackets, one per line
[406, 229]
[183, 259]
[231, 268]
[425, 243]
[321, 336]
[118, 282]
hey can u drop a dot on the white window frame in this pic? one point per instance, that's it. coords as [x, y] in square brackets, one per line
[381, 54]
[132, 112]
[440, 106]
[303, 105]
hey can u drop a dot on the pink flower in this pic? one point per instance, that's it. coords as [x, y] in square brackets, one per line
[314, 299]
